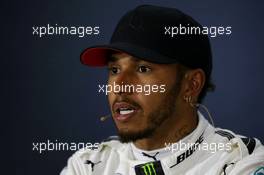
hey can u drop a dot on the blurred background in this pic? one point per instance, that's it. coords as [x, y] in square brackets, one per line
[46, 94]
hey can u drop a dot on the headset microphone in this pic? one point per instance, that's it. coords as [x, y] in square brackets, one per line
[104, 118]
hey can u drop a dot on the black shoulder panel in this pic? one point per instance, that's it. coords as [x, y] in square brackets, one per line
[225, 134]
[250, 143]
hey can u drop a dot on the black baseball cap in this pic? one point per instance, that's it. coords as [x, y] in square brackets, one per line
[146, 33]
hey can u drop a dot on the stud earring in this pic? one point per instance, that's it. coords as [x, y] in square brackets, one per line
[188, 99]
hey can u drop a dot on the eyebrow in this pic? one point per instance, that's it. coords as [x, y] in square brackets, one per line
[112, 58]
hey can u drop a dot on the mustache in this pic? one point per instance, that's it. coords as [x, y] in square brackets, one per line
[126, 100]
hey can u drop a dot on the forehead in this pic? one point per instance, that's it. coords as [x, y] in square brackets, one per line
[119, 56]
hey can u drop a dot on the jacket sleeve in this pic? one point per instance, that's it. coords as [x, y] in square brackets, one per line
[64, 171]
[253, 164]
[75, 166]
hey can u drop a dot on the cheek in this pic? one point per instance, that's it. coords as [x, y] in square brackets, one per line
[110, 98]
[157, 97]
[151, 102]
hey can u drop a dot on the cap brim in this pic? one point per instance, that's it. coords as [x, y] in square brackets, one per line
[98, 55]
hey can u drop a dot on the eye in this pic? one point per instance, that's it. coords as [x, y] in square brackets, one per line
[113, 70]
[143, 69]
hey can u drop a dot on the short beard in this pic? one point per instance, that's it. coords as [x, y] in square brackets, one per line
[156, 118]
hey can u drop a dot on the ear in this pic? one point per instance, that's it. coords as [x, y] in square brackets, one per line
[194, 83]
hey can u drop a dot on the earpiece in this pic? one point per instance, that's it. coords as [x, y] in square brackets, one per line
[104, 118]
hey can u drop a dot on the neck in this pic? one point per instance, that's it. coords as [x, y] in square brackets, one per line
[171, 130]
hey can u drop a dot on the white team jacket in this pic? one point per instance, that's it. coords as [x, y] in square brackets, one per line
[242, 156]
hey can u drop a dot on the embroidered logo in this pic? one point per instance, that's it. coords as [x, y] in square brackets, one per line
[150, 168]
[259, 171]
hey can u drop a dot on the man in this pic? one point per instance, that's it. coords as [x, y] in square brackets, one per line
[162, 132]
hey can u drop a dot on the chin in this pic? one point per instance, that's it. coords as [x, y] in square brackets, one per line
[127, 135]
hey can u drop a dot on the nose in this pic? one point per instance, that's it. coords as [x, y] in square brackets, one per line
[123, 83]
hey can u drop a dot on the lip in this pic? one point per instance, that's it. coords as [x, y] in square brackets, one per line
[123, 117]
